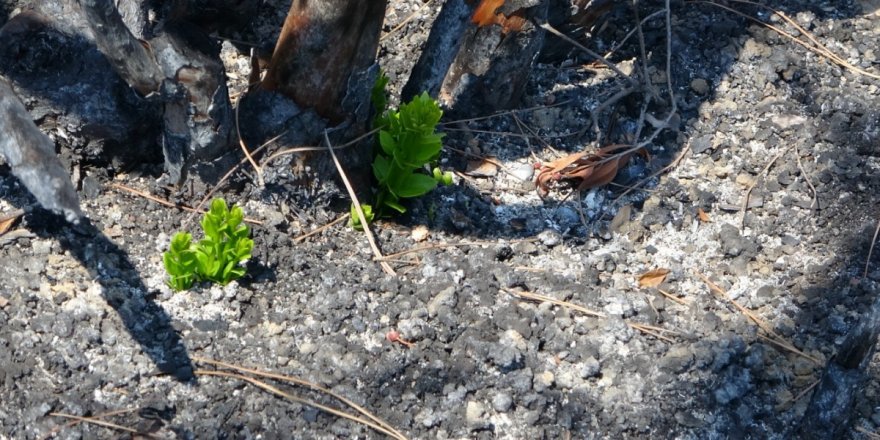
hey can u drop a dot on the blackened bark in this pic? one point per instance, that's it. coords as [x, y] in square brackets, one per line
[492, 62]
[131, 59]
[198, 117]
[31, 154]
[322, 44]
[441, 49]
[831, 405]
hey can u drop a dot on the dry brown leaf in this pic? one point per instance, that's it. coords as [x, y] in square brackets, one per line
[482, 167]
[484, 15]
[419, 233]
[599, 175]
[653, 278]
[703, 216]
[593, 171]
[621, 218]
[5, 225]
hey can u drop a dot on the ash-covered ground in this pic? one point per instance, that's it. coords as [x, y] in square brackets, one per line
[88, 326]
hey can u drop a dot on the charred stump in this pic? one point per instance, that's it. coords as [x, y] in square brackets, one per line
[830, 408]
[319, 78]
[478, 57]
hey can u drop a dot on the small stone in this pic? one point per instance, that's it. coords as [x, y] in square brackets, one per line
[3, 302]
[474, 413]
[482, 167]
[745, 180]
[550, 238]
[419, 233]
[502, 402]
[676, 360]
[445, 297]
[523, 172]
[700, 86]
[543, 381]
[589, 367]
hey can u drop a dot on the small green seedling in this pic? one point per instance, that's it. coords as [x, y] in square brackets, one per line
[409, 144]
[217, 257]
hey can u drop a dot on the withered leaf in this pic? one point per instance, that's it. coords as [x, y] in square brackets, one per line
[592, 171]
[484, 15]
[482, 167]
[703, 216]
[6, 222]
[653, 278]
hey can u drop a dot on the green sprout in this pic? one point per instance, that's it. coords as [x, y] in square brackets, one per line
[409, 144]
[215, 258]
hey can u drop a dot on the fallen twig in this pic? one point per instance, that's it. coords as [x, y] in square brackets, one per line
[322, 228]
[745, 201]
[644, 328]
[376, 423]
[774, 337]
[98, 422]
[164, 202]
[360, 211]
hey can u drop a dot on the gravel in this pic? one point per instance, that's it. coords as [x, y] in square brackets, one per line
[87, 324]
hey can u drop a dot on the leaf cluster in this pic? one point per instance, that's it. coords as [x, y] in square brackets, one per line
[216, 257]
[409, 143]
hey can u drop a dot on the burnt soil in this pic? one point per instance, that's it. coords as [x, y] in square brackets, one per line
[88, 325]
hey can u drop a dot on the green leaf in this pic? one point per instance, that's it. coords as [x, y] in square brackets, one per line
[378, 96]
[395, 205]
[416, 184]
[387, 142]
[381, 168]
[355, 221]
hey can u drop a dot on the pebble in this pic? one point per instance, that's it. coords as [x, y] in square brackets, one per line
[700, 86]
[543, 381]
[474, 415]
[502, 402]
[550, 238]
[523, 172]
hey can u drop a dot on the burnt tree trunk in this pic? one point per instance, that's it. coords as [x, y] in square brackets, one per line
[831, 406]
[31, 154]
[319, 78]
[479, 56]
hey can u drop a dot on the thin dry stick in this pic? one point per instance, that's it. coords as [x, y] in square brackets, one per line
[360, 211]
[322, 228]
[821, 47]
[257, 170]
[673, 297]
[821, 50]
[504, 113]
[167, 203]
[405, 20]
[300, 400]
[805, 391]
[301, 382]
[871, 434]
[871, 249]
[304, 149]
[651, 330]
[446, 245]
[745, 202]
[774, 337]
[73, 423]
[598, 57]
[814, 204]
[631, 33]
[94, 421]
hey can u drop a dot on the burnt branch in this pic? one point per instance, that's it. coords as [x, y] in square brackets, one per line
[31, 154]
[131, 59]
[321, 45]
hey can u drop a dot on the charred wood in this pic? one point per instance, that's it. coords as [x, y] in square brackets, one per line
[31, 155]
